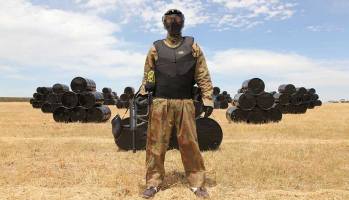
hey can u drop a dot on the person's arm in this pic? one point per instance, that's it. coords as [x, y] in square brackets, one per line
[148, 66]
[202, 76]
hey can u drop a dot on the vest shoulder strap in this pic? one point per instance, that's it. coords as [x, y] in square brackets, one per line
[188, 40]
[157, 44]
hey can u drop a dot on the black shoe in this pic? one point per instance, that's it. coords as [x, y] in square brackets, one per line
[201, 192]
[150, 192]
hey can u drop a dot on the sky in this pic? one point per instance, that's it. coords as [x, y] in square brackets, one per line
[304, 42]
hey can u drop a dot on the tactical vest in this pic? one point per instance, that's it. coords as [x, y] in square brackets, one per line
[174, 70]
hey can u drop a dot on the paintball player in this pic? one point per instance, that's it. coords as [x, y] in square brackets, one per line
[173, 65]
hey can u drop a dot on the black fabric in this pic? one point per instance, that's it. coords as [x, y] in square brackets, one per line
[175, 70]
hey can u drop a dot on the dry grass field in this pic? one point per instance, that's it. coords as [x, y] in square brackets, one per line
[302, 157]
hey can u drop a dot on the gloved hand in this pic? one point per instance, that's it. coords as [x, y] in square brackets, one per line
[149, 87]
[142, 100]
[207, 110]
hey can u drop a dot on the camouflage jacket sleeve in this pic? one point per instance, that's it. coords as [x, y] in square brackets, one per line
[148, 66]
[202, 76]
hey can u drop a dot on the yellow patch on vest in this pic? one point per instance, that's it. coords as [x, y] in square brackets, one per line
[151, 76]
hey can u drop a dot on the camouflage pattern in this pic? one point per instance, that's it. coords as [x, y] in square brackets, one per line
[166, 114]
[202, 75]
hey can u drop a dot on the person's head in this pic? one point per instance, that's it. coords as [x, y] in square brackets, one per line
[173, 21]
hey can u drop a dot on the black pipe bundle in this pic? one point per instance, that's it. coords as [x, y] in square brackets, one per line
[44, 90]
[62, 114]
[47, 99]
[282, 98]
[216, 91]
[265, 100]
[91, 99]
[245, 101]
[124, 100]
[78, 114]
[130, 91]
[54, 98]
[123, 134]
[221, 100]
[59, 88]
[209, 134]
[49, 107]
[296, 100]
[253, 105]
[256, 115]
[70, 99]
[83, 104]
[98, 114]
[274, 113]
[36, 103]
[40, 97]
[236, 114]
[80, 84]
[254, 86]
[314, 100]
[287, 89]
[110, 97]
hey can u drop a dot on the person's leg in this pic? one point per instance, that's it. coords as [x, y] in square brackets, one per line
[188, 144]
[158, 136]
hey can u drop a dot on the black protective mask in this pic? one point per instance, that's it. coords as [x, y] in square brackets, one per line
[173, 24]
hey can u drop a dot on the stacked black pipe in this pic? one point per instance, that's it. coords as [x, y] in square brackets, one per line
[124, 99]
[296, 100]
[253, 105]
[221, 100]
[110, 97]
[48, 98]
[83, 103]
[40, 96]
[209, 134]
[314, 99]
[54, 99]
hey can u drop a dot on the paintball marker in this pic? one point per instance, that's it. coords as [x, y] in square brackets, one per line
[142, 101]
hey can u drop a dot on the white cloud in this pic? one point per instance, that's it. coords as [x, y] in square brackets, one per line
[148, 11]
[62, 41]
[193, 10]
[7, 69]
[99, 5]
[248, 13]
[323, 28]
[278, 68]
[232, 13]
[37, 38]
[12, 73]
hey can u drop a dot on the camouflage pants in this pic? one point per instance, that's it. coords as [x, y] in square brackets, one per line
[166, 113]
